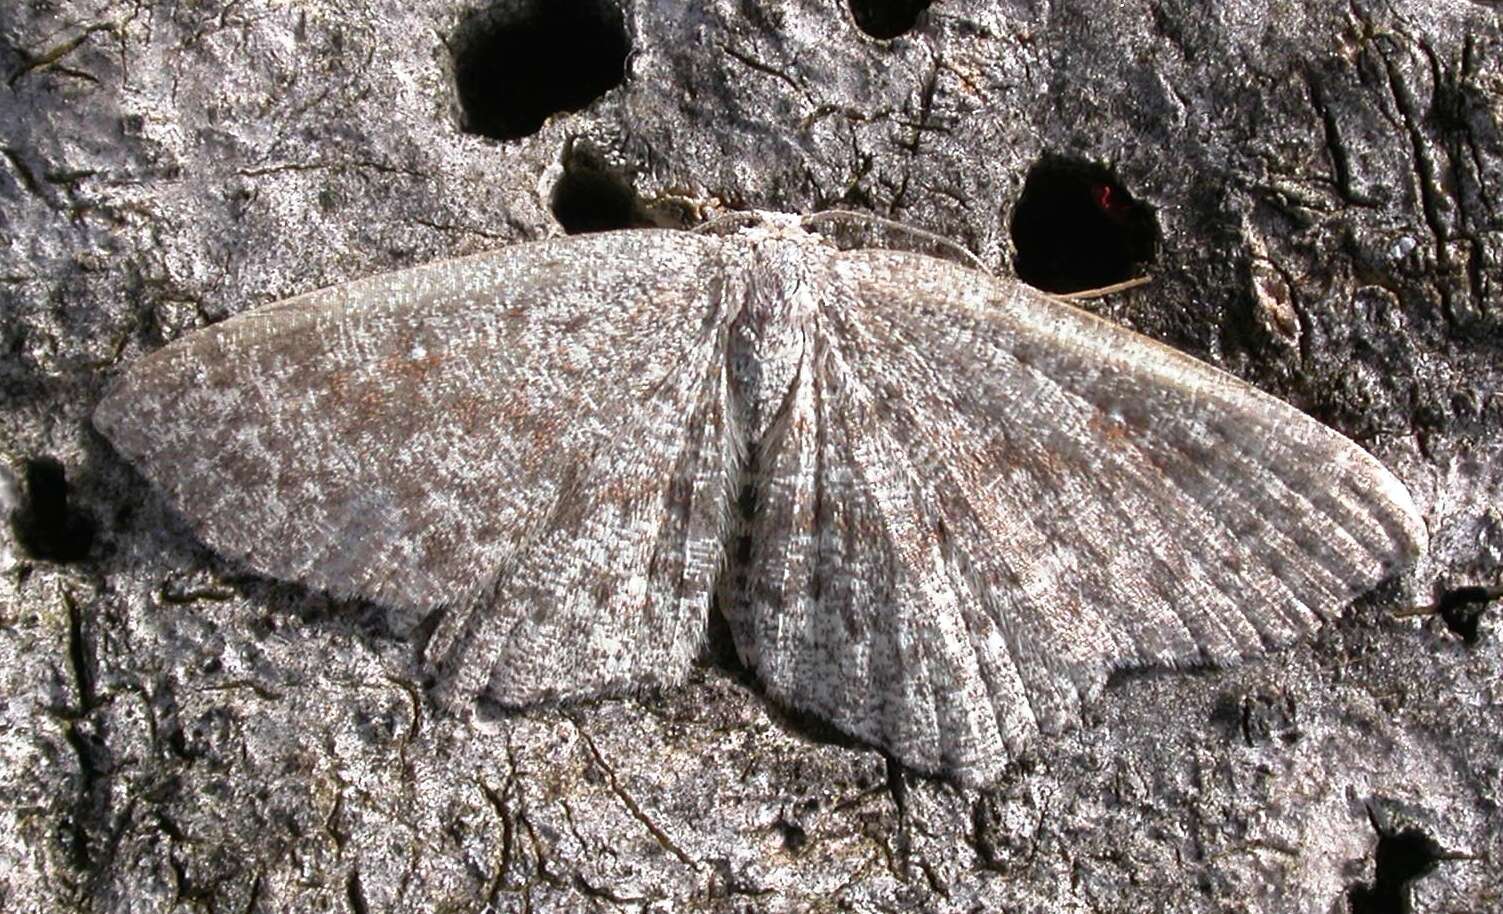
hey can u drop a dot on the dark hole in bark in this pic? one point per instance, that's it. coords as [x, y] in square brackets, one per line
[1076, 227]
[887, 18]
[354, 893]
[1401, 858]
[590, 199]
[1461, 609]
[44, 524]
[517, 62]
[795, 838]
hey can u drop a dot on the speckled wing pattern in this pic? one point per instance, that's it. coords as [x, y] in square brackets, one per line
[983, 501]
[531, 444]
[963, 503]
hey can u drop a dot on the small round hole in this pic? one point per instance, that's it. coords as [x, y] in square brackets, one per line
[887, 18]
[590, 199]
[1399, 861]
[1461, 609]
[517, 62]
[1076, 227]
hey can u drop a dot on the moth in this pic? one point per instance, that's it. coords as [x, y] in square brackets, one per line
[936, 507]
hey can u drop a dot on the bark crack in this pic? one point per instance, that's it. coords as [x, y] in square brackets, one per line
[630, 802]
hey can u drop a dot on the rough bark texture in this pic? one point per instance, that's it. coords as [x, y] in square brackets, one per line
[1325, 186]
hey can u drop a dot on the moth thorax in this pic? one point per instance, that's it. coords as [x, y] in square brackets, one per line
[771, 335]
